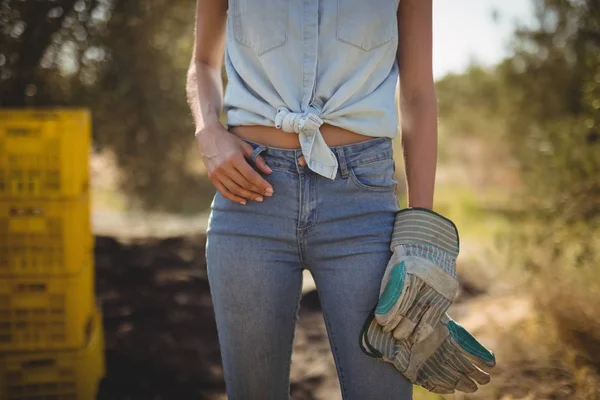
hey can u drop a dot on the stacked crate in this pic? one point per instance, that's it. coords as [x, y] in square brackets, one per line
[51, 341]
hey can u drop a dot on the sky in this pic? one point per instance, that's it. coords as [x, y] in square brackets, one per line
[464, 30]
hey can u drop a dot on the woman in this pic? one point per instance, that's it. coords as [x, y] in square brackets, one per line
[305, 172]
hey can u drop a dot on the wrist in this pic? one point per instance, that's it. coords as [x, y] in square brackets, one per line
[209, 127]
[424, 201]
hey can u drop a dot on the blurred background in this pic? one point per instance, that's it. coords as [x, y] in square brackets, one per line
[518, 86]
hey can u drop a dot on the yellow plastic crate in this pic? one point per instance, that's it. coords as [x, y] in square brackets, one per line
[44, 153]
[46, 313]
[45, 238]
[69, 375]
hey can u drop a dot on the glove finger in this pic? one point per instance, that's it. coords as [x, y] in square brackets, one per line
[466, 385]
[456, 359]
[479, 376]
[432, 384]
[462, 363]
[451, 355]
[393, 285]
[466, 344]
[439, 373]
[483, 365]
[444, 374]
[397, 298]
[442, 390]
[431, 317]
[421, 332]
[407, 325]
[438, 305]
[404, 329]
[436, 388]
[419, 312]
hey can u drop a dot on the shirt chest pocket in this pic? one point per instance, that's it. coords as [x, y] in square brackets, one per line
[261, 25]
[366, 24]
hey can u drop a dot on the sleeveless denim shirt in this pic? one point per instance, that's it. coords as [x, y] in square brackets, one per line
[296, 64]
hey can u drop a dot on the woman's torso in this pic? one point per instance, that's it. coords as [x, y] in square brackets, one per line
[335, 59]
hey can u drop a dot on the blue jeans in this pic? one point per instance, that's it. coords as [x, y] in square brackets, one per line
[338, 229]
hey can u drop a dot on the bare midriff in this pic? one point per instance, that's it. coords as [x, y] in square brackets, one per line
[273, 137]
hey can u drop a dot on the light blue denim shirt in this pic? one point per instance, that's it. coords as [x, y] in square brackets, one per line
[296, 64]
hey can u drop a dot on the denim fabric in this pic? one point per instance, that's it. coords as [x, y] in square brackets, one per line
[338, 229]
[298, 64]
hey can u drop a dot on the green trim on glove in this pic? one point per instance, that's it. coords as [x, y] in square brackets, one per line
[469, 343]
[392, 290]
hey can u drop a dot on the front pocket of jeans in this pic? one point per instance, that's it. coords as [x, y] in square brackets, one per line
[260, 24]
[375, 176]
[366, 24]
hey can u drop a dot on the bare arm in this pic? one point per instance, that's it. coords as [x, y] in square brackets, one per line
[223, 153]
[418, 101]
[204, 85]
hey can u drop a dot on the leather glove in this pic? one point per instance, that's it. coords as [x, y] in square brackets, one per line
[449, 359]
[420, 281]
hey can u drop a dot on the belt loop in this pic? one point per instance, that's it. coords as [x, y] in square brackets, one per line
[342, 161]
[259, 149]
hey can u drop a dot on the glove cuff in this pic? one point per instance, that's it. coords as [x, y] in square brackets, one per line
[415, 225]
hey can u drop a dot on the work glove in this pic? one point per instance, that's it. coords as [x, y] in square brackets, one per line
[449, 359]
[419, 283]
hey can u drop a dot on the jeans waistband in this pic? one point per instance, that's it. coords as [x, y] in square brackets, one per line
[348, 155]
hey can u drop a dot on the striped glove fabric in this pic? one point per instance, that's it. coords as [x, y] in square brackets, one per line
[449, 359]
[419, 283]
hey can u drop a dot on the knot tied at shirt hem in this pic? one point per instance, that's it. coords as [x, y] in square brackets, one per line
[315, 150]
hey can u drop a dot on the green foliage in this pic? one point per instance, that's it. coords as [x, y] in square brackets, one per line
[472, 103]
[553, 128]
[140, 108]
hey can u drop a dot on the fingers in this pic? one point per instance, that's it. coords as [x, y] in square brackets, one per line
[394, 285]
[479, 376]
[260, 162]
[442, 390]
[262, 165]
[421, 332]
[470, 347]
[253, 177]
[248, 189]
[485, 366]
[430, 319]
[239, 191]
[434, 388]
[227, 194]
[441, 374]
[402, 302]
[460, 362]
[238, 181]
[407, 326]
[466, 385]
[404, 329]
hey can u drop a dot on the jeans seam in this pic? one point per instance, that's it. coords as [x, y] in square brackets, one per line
[295, 317]
[338, 364]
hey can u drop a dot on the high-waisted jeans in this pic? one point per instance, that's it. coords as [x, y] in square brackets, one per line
[340, 230]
